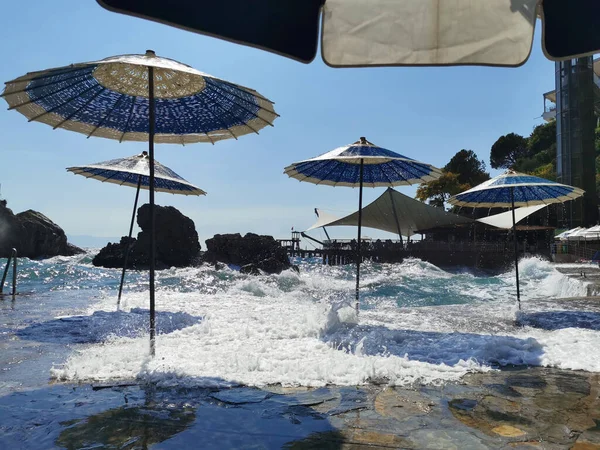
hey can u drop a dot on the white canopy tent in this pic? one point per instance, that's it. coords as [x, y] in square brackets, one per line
[584, 234]
[563, 236]
[399, 214]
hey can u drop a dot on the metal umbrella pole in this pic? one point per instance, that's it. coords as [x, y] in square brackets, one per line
[128, 249]
[358, 253]
[512, 200]
[152, 221]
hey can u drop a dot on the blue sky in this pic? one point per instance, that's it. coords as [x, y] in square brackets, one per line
[425, 113]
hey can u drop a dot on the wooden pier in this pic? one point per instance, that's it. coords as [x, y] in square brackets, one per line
[482, 255]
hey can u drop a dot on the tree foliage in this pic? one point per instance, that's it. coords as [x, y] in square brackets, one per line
[469, 168]
[507, 150]
[440, 190]
[462, 172]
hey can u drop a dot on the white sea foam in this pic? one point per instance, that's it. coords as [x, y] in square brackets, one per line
[419, 324]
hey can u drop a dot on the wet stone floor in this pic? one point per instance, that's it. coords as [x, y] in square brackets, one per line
[518, 408]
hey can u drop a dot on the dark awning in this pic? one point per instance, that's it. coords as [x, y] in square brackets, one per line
[380, 32]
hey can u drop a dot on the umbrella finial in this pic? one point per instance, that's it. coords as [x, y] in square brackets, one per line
[150, 53]
[144, 154]
[362, 140]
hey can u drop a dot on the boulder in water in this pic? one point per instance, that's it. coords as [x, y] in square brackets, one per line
[253, 253]
[177, 242]
[112, 256]
[33, 235]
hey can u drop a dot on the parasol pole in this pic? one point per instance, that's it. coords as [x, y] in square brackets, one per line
[512, 201]
[128, 248]
[152, 221]
[358, 254]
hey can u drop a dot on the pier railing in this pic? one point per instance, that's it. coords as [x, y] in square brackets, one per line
[13, 257]
[580, 250]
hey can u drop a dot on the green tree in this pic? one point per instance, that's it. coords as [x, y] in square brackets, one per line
[507, 150]
[542, 138]
[462, 172]
[440, 190]
[469, 168]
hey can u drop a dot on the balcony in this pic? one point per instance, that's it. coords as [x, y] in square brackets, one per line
[549, 113]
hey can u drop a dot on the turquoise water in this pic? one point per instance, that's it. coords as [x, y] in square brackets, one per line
[418, 323]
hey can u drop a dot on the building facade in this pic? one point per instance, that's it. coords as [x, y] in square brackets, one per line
[574, 105]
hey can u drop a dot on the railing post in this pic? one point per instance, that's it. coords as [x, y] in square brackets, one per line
[13, 257]
[14, 287]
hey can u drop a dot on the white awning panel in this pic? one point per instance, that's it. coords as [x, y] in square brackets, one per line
[427, 32]
[504, 220]
[324, 219]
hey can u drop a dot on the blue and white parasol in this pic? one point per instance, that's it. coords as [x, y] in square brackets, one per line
[362, 164]
[381, 167]
[110, 98]
[140, 98]
[511, 190]
[135, 172]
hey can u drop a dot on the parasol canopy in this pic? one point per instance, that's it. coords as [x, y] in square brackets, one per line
[110, 98]
[387, 33]
[381, 167]
[528, 190]
[136, 169]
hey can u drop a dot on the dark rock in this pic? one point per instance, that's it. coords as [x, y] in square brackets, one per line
[250, 269]
[112, 255]
[253, 253]
[10, 231]
[176, 237]
[33, 235]
[272, 265]
[177, 242]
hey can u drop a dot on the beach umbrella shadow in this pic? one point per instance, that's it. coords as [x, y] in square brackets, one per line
[558, 320]
[435, 347]
[187, 417]
[101, 325]
[137, 427]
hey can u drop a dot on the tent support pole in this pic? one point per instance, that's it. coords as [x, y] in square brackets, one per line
[396, 216]
[512, 201]
[151, 126]
[128, 249]
[326, 234]
[358, 253]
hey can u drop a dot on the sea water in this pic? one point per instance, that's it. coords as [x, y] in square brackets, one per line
[417, 324]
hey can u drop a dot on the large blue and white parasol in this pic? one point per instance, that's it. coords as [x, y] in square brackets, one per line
[140, 98]
[362, 164]
[110, 98]
[512, 189]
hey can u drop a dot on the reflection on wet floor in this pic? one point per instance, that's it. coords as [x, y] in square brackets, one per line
[512, 408]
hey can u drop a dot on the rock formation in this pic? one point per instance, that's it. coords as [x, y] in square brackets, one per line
[33, 235]
[252, 253]
[176, 242]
